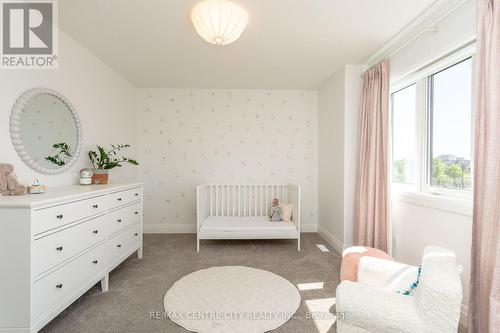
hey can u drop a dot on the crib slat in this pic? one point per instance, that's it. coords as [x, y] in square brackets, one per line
[256, 203]
[250, 201]
[216, 200]
[249, 198]
[222, 200]
[211, 200]
[266, 188]
[233, 200]
[227, 200]
[260, 200]
[244, 200]
[253, 200]
[239, 200]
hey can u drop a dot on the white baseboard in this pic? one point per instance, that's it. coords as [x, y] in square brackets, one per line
[169, 229]
[331, 239]
[191, 228]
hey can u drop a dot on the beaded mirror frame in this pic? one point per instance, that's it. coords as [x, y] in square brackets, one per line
[16, 136]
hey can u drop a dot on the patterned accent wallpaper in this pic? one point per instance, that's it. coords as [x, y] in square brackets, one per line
[189, 137]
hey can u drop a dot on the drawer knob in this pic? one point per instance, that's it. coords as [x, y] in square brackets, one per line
[95, 231]
[60, 216]
[119, 220]
[119, 199]
[59, 286]
[95, 206]
[59, 248]
[136, 194]
[94, 262]
[136, 234]
[119, 245]
[136, 213]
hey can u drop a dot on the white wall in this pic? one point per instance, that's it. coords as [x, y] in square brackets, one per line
[339, 99]
[331, 145]
[416, 224]
[103, 99]
[188, 137]
[354, 90]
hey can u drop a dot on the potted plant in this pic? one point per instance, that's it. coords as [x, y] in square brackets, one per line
[103, 160]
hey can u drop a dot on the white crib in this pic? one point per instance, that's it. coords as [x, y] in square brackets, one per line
[239, 211]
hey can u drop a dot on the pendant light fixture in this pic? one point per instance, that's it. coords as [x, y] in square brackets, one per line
[219, 22]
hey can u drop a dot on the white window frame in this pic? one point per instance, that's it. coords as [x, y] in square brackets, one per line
[400, 187]
[421, 79]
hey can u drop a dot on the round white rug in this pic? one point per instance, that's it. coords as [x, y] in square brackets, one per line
[231, 299]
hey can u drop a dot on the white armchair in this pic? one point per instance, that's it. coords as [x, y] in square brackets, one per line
[373, 305]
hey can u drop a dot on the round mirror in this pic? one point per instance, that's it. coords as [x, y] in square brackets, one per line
[45, 130]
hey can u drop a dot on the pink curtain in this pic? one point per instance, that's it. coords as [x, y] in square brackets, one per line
[372, 204]
[484, 303]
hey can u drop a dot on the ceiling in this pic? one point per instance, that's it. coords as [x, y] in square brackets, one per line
[288, 44]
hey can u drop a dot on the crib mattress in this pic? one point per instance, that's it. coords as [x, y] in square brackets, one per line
[253, 227]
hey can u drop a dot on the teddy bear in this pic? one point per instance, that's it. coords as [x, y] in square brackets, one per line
[8, 181]
[275, 213]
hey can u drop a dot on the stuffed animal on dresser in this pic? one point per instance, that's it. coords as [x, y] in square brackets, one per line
[8, 181]
[275, 213]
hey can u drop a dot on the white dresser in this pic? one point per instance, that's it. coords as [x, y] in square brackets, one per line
[57, 245]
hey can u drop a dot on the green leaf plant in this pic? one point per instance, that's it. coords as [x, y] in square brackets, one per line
[62, 156]
[103, 159]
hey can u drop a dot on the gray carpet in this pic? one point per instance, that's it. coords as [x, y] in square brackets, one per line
[137, 287]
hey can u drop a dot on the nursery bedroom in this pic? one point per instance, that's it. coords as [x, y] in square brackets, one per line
[250, 166]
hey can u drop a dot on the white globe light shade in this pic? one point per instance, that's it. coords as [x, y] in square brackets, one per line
[219, 22]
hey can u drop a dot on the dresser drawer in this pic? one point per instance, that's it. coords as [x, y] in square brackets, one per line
[123, 242]
[53, 249]
[64, 282]
[123, 217]
[53, 217]
[124, 197]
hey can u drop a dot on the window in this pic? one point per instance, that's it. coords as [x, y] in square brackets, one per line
[450, 122]
[403, 138]
[432, 130]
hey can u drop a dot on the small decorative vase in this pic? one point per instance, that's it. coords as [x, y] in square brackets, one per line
[100, 177]
[86, 176]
